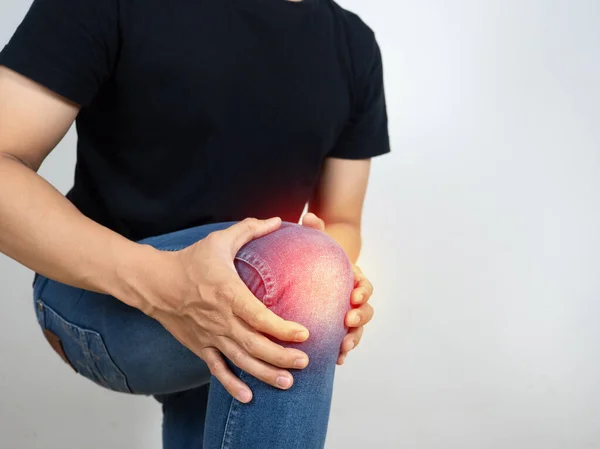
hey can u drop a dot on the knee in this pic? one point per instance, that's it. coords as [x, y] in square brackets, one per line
[301, 274]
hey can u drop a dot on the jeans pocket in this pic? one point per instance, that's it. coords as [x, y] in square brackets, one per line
[83, 349]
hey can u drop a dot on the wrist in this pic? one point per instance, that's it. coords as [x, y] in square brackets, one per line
[348, 236]
[146, 278]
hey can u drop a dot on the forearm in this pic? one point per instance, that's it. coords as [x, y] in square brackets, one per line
[348, 236]
[42, 230]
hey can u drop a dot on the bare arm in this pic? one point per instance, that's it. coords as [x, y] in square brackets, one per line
[42, 230]
[337, 206]
[39, 227]
[338, 200]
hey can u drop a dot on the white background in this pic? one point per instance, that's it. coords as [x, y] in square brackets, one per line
[481, 235]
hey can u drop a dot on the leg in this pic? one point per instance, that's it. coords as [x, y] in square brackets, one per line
[299, 273]
[184, 414]
[307, 278]
[118, 346]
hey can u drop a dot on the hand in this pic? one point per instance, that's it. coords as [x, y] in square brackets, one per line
[360, 315]
[362, 311]
[215, 313]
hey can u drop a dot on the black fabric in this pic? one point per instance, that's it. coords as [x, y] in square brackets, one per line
[201, 111]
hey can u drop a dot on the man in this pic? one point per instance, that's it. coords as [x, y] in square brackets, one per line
[191, 117]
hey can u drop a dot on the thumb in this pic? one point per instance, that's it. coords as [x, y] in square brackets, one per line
[248, 229]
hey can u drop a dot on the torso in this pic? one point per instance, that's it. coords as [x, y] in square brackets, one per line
[216, 110]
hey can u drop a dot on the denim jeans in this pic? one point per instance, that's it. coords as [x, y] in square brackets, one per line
[300, 273]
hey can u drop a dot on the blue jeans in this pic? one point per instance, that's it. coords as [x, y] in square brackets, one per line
[300, 273]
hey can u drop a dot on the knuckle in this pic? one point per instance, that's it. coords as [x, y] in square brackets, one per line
[223, 292]
[257, 318]
[370, 309]
[214, 320]
[249, 344]
[211, 238]
[267, 375]
[279, 355]
[249, 224]
[236, 357]
[284, 359]
[252, 317]
[212, 242]
[244, 312]
[216, 367]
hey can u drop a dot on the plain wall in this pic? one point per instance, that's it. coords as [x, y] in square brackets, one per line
[481, 235]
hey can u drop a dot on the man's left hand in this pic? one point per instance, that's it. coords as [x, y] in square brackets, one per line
[362, 311]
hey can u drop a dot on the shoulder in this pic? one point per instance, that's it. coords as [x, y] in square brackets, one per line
[355, 26]
[359, 36]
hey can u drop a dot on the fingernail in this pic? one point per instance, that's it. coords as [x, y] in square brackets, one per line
[301, 336]
[284, 382]
[351, 346]
[244, 396]
[300, 363]
[356, 319]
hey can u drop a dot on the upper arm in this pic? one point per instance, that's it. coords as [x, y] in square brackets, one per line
[33, 119]
[340, 192]
[365, 133]
[56, 61]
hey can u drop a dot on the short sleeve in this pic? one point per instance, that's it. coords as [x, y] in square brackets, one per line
[68, 46]
[366, 135]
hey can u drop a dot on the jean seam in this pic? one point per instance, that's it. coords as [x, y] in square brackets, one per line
[225, 443]
[40, 313]
[43, 283]
[262, 269]
[173, 249]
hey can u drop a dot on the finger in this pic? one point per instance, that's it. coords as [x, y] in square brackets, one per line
[360, 296]
[311, 220]
[219, 369]
[358, 274]
[351, 340]
[311, 225]
[360, 280]
[258, 316]
[365, 284]
[246, 230]
[360, 317]
[260, 347]
[269, 374]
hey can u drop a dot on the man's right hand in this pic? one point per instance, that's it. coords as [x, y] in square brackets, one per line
[215, 314]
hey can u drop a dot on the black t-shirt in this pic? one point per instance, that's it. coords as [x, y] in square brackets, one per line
[200, 111]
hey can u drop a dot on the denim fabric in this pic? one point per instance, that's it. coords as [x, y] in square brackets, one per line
[299, 273]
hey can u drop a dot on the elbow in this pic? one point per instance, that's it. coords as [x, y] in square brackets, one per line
[6, 156]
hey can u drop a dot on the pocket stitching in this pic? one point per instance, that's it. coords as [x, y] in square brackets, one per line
[262, 270]
[86, 348]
